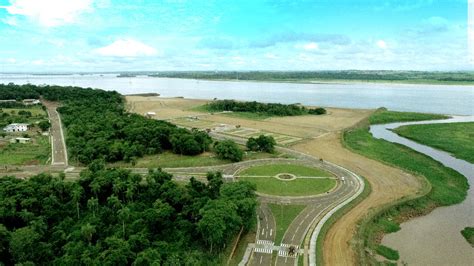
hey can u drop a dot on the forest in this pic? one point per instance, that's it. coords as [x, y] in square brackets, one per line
[271, 109]
[358, 75]
[98, 127]
[114, 217]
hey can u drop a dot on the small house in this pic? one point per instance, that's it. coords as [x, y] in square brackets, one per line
[31, 101]
[16, 127]
[21, 140]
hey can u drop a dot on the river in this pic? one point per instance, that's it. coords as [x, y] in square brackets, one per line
[447, 99]
[434, 239]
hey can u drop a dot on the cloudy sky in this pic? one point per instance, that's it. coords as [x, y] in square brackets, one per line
[115, 35]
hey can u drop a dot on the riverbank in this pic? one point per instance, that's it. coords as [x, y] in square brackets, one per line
[455, 138]
[445, 186]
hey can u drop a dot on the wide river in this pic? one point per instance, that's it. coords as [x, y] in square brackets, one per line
[434, 239]
[445, 99]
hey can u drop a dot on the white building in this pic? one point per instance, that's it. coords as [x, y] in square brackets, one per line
[16, 127]
[31, 101]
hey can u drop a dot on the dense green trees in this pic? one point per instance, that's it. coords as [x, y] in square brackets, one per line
[291, 76]
[276, 109]
[262, 143]
[44, 125]
[114, 217]
[99, 128]
[228, 150]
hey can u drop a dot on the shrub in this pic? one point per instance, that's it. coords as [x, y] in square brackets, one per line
[229, 150]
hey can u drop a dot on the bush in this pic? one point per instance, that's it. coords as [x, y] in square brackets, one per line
[228, 150]
[317, 111]
[387, 252]
[262, 143]
[44, 125]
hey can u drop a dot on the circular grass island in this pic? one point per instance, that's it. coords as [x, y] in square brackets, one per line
[288, 179]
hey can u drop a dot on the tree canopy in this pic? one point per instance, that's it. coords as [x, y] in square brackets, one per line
[262, 143]
[228, 150]
[98, 127]
[114, 217]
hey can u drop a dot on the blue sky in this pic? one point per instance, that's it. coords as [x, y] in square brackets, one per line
[119, 35]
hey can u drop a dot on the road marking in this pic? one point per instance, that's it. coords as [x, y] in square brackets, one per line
[271, 231]
[263, 231]
[261, 257]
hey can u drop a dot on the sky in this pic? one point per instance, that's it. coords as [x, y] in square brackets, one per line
[154, 35]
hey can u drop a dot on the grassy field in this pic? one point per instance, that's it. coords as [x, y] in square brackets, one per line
[468, 234]
[274, 169]
[284, 215]
[170, 160]
[383, 116]
[36, 152]
[447, 186]
[455, 138]
[297, 187]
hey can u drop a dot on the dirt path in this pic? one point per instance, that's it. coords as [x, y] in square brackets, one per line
[388, 184]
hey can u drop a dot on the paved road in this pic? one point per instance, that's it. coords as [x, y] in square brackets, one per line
[58, 145]
[265, 237]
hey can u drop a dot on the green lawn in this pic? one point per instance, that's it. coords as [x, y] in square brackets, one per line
[170, 160]
[468, 234]
[383, 116]
[455, 138]
[36, 152]
[297, 187]
[245, 115]
[284, 215]
[274, 169]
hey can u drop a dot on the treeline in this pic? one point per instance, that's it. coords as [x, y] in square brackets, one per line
[322, 75]
[114, 217]
[98, 127]
[273, 109]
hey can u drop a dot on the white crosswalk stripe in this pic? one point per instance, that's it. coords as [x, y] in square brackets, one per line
[264, 246]
[284, 248]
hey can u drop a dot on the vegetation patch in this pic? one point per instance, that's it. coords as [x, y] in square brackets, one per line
[114, 135]
[387, 252]
[416, 77]
[114, 217]
[261, 109]
[284, 215]
[468, 234]
[447, 186]
[455, 138]
[295, 187]
[35, 152]
[383, 116]
[275, 169]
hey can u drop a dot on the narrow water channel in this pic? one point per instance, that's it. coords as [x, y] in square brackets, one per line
[434, 239]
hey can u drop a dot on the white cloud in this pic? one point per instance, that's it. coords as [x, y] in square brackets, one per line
[311, 46]
[381, 44]
[126, 48]
[50, 13]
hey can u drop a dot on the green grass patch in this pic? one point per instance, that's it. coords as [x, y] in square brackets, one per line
[284, 215]
[248, 115]
[387, 252]
[383, 116]
[468, 234]
[168, 159]
[455, 138]
[297, 187]
[274, 169]
[36, 152]
[448, 186]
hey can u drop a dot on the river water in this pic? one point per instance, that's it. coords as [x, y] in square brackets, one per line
[452, 99]
[434, 239]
